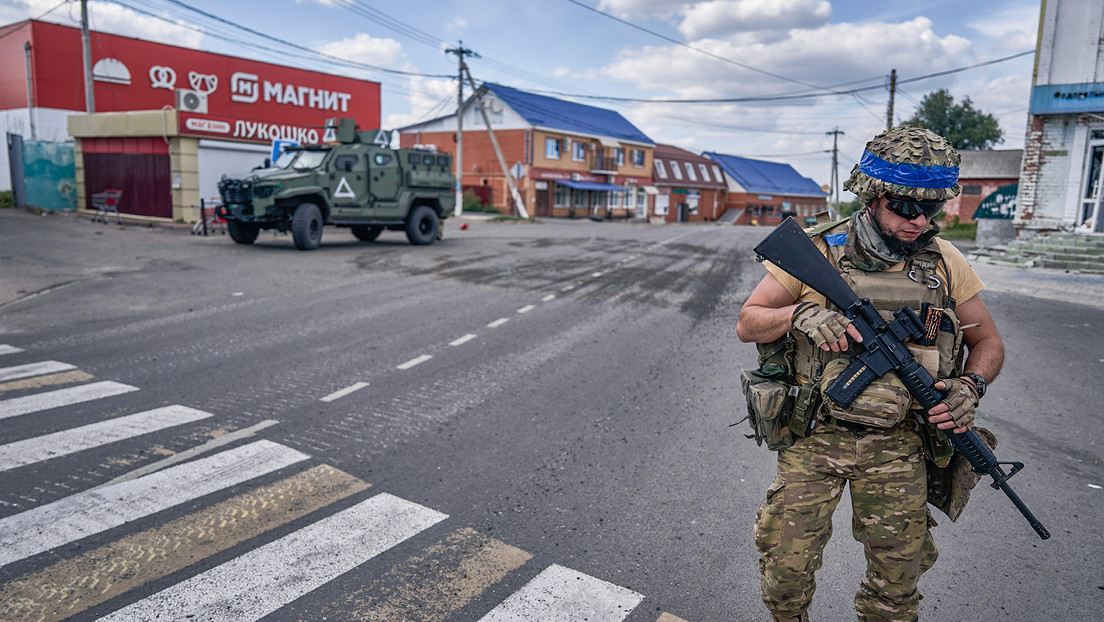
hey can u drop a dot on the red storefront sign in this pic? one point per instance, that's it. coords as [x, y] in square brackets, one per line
[217, 95]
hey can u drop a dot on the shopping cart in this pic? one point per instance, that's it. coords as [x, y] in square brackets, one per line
[107, 201]
[209, 219]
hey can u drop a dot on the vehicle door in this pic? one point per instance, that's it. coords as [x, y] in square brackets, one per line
[349, 186]
[385, 183]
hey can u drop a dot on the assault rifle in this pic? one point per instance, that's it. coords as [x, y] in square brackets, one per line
[882, 349]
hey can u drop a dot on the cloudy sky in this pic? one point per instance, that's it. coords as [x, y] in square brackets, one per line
[801, 67]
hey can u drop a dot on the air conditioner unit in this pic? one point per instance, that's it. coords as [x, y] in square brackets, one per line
[567, 145]
[188, 100]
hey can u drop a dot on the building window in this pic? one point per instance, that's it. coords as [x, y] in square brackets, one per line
[615, 200]
[690, 171]
[619, 156]
[640, 198]
[552, 148]
[704, 172]
[971, 189]
[676, 170]
[561, 197]
[638, 158]
[717, 174]
[660, 169]
[578, 151]
[580, 197]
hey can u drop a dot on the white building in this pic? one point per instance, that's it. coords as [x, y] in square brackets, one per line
[1060, 180]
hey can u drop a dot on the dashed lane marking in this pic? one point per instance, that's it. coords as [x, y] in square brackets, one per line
[559, 594]
[61, 397]
[548, 298]
[526, 308]
[93, 511]
[416, 361]
[70, 441]
[336, 395]
[499, 322]
[261, 581]
[29, 370]
[462, 340]
[72, 586]
[6, 349]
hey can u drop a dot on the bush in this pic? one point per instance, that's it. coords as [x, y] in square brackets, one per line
[6, 199]
[472, 203]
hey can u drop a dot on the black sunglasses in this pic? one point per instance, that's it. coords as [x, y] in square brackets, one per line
[909, 209]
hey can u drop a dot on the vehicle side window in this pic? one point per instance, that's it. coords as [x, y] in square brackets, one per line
[427, 159]
[382, 158]
[345, 163]
[413, 158]
[442, 160]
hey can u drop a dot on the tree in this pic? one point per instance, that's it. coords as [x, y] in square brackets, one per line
[964, 126]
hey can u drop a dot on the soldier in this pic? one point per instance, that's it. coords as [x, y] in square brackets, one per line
[888, 252]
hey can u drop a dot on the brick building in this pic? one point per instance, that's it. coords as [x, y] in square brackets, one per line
[980, 174]
[689, 187]
[574, 160]
[1060, 180]
[764, 193]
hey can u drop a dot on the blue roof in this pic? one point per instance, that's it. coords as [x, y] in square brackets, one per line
[558, 114]
[765, 177]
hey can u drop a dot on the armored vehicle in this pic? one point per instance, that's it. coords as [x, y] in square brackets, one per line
[352, 180]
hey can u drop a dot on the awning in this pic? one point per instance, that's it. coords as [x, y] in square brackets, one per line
[650, 189]
[590, 185]
[609, 142]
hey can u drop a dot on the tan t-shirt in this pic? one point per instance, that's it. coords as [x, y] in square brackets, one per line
[965, 283]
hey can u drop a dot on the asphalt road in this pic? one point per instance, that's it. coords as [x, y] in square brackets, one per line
[464, 431]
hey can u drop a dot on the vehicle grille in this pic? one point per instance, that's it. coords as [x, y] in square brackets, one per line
[235, 191]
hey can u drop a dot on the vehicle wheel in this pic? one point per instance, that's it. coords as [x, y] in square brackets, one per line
[421, 227]
[306, 227]
[242, 232]
[367, 234]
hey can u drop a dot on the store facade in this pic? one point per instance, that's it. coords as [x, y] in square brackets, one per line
[169, 120]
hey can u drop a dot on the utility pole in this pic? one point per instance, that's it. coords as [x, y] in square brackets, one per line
[30, 87]
[460, 51]
[835, 161]
[89, 95]
[498, 150]
[892, 92]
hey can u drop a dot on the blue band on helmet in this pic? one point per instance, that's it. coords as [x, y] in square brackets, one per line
[911, 175]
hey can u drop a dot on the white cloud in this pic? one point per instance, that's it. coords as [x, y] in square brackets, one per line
[1013, 28]
[639, 8]
[846, 52]
[106, 17]
[364, 48]
[717, 17]
[429, 98]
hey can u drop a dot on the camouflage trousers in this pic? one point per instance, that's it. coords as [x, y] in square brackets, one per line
[888, 482]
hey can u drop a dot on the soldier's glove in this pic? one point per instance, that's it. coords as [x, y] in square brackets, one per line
[962, 398]
[819, 324]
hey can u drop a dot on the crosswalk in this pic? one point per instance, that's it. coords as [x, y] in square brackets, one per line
[305, 528]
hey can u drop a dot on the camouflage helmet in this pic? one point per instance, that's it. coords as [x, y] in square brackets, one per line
[906, 161]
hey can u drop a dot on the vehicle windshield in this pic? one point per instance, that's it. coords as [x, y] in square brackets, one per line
[299, 160]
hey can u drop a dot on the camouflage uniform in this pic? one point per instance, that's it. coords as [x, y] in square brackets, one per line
[885, 467]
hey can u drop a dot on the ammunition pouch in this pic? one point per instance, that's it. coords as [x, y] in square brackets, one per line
[882, 404]
[780, 407]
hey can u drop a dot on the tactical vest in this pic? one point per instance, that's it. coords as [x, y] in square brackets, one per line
[916, 284]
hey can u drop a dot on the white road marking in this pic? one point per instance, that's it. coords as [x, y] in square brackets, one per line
[559, 594]
[61, 397]
[6, 349]
[462, 340]
[416, 361]
[548, 298]
[336, 395]
[33, 369]
[526, 309]
[261, 581]
[90, 512]
[596, 274]
[499, 322]
[568, 288]
[67, 442]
